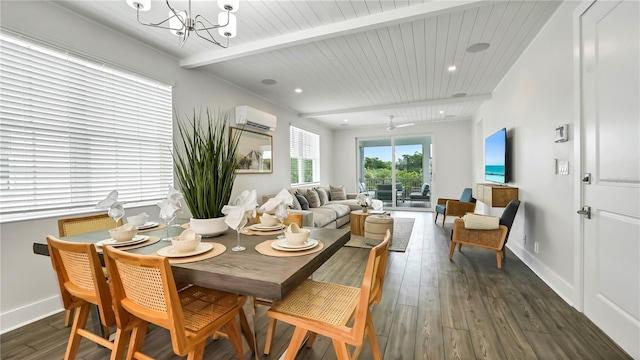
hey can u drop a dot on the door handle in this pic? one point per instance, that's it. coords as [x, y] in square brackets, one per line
[585, 212]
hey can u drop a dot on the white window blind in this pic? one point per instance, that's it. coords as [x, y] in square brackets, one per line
[304, 149]
[72, 130]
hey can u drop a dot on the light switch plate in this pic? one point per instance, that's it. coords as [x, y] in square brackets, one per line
[563, 167]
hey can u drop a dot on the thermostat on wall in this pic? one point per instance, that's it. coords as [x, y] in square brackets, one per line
[561, 133]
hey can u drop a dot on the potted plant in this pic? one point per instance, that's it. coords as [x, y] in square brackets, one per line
[205, 169]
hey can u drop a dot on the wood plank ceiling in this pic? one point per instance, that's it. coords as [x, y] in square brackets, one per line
[356, 60]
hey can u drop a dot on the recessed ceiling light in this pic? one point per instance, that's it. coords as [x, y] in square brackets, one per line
[441, 111]
[477, 47]
[269, 82]
[298, 90]
[452, 68]
[459, 95]
[346, 120]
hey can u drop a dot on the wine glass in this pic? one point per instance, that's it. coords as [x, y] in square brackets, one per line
[116, 212]
[238, 247]
[168, 218]
[281, 213]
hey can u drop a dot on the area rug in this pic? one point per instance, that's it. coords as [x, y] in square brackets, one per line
[402, 229]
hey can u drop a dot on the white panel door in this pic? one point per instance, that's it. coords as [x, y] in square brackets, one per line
[611, 153]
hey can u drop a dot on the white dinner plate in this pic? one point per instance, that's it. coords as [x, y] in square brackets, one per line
[260, 227]
[311, 244]
[148, 225]
[169, 251]
[135, 240]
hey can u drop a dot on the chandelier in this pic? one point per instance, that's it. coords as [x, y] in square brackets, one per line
[182, 23]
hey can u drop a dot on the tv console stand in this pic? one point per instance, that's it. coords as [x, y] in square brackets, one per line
[494, 195]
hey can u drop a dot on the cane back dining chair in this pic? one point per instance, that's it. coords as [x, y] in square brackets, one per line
[82, 283]
[326, 309]
[80, 225]
[144, 291]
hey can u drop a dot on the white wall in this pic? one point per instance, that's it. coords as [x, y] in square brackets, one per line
[28, 287]
[534, 97]
[451, 149]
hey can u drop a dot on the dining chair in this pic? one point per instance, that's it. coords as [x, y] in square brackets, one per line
[82, 283]
[326, 309]
[144, 291]
[80, 225]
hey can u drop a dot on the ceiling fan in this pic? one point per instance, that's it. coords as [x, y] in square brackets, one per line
[391, 126]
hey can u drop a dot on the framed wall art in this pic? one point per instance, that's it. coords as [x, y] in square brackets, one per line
[255, 152]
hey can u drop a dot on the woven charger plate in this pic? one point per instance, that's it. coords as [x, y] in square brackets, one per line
[248, 231]
[265, 248]
[160, 226]
[150, 241]
[217, 250]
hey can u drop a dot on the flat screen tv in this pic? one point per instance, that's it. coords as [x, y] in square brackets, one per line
[495, 157]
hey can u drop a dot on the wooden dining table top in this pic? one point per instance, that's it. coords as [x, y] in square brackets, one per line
[246, 272]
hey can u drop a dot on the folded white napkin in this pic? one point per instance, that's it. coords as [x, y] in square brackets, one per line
[481, 222]
[283, 197]
[293, 228]
[167, 209]
[138, 218]
[174, 195]
[376, 204]
[109, 201]
[244, 206]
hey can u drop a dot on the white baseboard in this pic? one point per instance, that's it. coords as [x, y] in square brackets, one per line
[27, 314]
[564, 289]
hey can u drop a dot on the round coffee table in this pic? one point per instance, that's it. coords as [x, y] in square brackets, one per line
[357, 219]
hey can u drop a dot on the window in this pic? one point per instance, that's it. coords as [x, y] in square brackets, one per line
[304, 148]
[72, 130]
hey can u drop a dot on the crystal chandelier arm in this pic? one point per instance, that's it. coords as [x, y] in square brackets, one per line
[210, 39]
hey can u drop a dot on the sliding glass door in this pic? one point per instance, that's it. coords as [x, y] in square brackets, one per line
[397, 171]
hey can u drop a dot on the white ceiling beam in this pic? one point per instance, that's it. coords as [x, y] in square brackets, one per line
[384, 19]
[482, 97]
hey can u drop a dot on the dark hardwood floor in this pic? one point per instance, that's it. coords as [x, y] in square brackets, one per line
[431, 309]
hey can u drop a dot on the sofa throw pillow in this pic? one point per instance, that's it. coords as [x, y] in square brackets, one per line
[296, 203]
[312, 198]
[338, 193]
[322, 194]
[304, 204]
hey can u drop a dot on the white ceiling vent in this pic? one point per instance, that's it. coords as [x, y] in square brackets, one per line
[255, 119]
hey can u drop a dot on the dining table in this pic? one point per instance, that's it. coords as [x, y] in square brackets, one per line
[245, 272]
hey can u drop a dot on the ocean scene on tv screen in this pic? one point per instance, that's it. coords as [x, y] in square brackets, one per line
[494, 166]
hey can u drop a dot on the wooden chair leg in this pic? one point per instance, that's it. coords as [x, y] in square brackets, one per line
[138, 335]
[341, 350]
[79, 321]
[311, 340]
[119, 344]
[452, 248]
[233, 331]
[68, 318]
[296, 340]
[499, 259]
[271, 329]
[198, 352]
[459, 246]
[373, 339]
[436, 219]
[444, 217]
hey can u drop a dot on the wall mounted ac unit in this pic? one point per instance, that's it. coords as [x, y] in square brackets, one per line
[255, 119]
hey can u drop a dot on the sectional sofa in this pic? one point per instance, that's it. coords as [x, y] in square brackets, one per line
[333, 214]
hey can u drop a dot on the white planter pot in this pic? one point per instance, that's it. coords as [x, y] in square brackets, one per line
[208, 227]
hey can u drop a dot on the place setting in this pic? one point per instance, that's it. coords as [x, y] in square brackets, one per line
[295, 241]
[126, 237]
[188, 247]
[268, 225]
[142, 223]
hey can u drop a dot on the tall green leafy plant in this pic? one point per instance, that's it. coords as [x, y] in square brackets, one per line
[205, 165]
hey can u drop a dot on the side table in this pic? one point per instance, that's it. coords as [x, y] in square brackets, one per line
[357, 219]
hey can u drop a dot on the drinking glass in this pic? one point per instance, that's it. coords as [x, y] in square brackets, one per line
[168, 219]
[116, 212]
[238, 247]
[281, 214]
